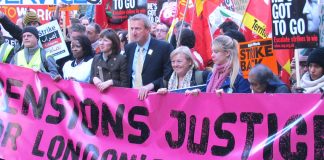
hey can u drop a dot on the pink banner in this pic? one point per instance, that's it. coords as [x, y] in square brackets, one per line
[42, 119]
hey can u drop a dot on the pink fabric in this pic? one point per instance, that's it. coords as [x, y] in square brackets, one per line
[218, 77]
[72, 110]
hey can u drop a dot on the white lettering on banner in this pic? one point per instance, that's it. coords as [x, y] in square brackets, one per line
[50, 2]
[21, 11]
[281, 26]
[281, 14]
[281, 10]
[129, 4]
[151, 12]
[124, 4]
[297, 27]
[10, 41]
[44, 15]
[118, 4]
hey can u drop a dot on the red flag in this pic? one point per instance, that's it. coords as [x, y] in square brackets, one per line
[199, 25]
[259, 13]
[283, 57]
[185, 10]
[101, 17]
[201, 28]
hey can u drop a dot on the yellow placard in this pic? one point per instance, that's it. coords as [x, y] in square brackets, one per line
[255, 25]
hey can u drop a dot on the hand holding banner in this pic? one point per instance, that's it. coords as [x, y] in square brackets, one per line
[41, 119]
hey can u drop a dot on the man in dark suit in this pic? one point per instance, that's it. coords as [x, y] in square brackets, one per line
[148, 58]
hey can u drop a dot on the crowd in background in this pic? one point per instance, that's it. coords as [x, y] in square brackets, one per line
[149, 62]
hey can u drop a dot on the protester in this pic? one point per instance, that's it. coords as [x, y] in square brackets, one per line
[228, 25]
[161, 31]
[313, 80]
[74, 21]
[93, 30]
[109, 68]
[30, 19]
[226, 76]
[6, 50]
[303, 55]
[148, 58]
[74, 31]
[262, 80]
[123, 40]
[184, 71]
[153, 29]
[79, 68]
[84, 21]
[180, 25]
[188, 38]
[57, 16]
[235, 34]
[33, 56]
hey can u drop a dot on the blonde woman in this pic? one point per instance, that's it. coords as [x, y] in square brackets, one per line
[226, 76]
[185, 74]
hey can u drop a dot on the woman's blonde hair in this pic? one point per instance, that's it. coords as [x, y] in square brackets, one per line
[186, 51]
[230, 45]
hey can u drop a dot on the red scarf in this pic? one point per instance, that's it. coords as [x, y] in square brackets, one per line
[218, 77]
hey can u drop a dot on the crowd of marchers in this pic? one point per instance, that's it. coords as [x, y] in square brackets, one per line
[149, 62]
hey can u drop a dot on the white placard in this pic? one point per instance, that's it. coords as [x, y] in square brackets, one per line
[52, 40]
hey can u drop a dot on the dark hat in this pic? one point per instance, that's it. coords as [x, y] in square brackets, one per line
[30, 17]
[316, 56]
[31, 30]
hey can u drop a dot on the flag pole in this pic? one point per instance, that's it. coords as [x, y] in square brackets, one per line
[247, 6]
[130, 38]
[296, 54]
[181, 26]
[64, 24]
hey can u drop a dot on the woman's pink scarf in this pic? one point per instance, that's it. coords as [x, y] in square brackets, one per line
[218, 77]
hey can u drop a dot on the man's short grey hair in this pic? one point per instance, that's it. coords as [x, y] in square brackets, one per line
[144, 18]
[96, 27]
[78, 28]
